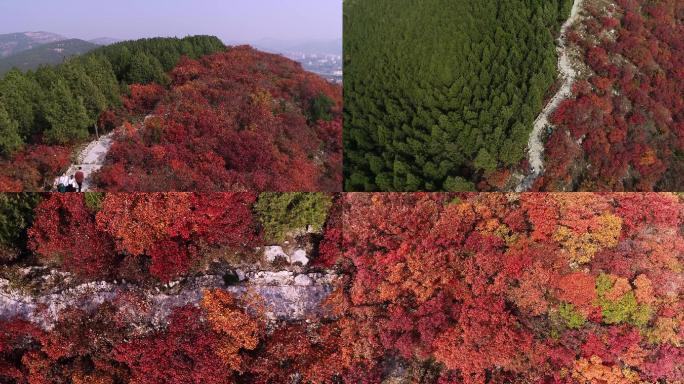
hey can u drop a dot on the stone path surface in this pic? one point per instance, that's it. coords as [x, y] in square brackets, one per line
[287, 296]
[535, 146]
[91, 159]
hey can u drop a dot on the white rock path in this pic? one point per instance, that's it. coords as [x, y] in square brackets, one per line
[535, 146]
[287, 296]
[91, 159]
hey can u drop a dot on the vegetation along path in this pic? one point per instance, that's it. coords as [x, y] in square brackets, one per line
[535, 145]
[91, 159]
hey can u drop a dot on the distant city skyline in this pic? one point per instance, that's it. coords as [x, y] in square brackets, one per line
[232, 21]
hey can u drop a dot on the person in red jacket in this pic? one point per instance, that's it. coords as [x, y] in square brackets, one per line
[80, 176]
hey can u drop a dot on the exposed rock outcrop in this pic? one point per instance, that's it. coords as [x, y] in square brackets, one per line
[285, 294]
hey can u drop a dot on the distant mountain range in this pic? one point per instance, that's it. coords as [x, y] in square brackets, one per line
[13, 43]
[30, 50]
[331, 46]
[46, 54]
[104, 41]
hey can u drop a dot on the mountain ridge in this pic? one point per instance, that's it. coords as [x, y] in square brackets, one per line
[46, 54]
[13, 43]
[105, 40]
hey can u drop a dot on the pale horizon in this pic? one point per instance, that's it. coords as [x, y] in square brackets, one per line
[292, 21]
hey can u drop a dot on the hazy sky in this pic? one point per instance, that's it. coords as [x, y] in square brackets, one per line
[231, 20]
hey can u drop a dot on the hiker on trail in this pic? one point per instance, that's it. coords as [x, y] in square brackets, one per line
[71, 186]
[62, 183]
[80, 176]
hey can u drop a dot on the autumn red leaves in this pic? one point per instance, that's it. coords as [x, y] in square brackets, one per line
[120, 234]
[622, 129]
[447, 288]
[433, 288]
[202, 344]
[552, 288]
[242, 120]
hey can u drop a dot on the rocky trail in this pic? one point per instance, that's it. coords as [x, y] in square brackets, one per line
[535, 146]
[90, 159]
[286, 295]
[291, 293]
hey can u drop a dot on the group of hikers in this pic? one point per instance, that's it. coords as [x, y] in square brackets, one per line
[73, 183]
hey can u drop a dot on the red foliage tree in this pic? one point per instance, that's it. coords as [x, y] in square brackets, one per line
[485, 339]
[578, 289]
[184, 353]
[450, 288]
[143, 98]
[170, 227]
[34, 168]
[501, 288]
[77, 350]
[173, 230]
[64, 231]
[330, 247]
[196, 346]
[15, 341]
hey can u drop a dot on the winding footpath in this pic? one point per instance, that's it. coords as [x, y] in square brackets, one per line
[90, 159]
[535, 146]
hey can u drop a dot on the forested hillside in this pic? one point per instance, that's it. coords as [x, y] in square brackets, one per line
[238, 120]
[107, 259]
[441, 94]
[43, 112]
[624, 127]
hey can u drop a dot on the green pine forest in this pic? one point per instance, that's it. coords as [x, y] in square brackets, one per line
[60, 104]
[441, 93]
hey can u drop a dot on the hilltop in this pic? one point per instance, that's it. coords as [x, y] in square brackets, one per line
[45, 114]
[236, 120]
[189, 114]
[104, 41]
[29, 50]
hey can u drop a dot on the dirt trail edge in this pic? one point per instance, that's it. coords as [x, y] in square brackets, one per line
[535, 146]
[91, 159]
